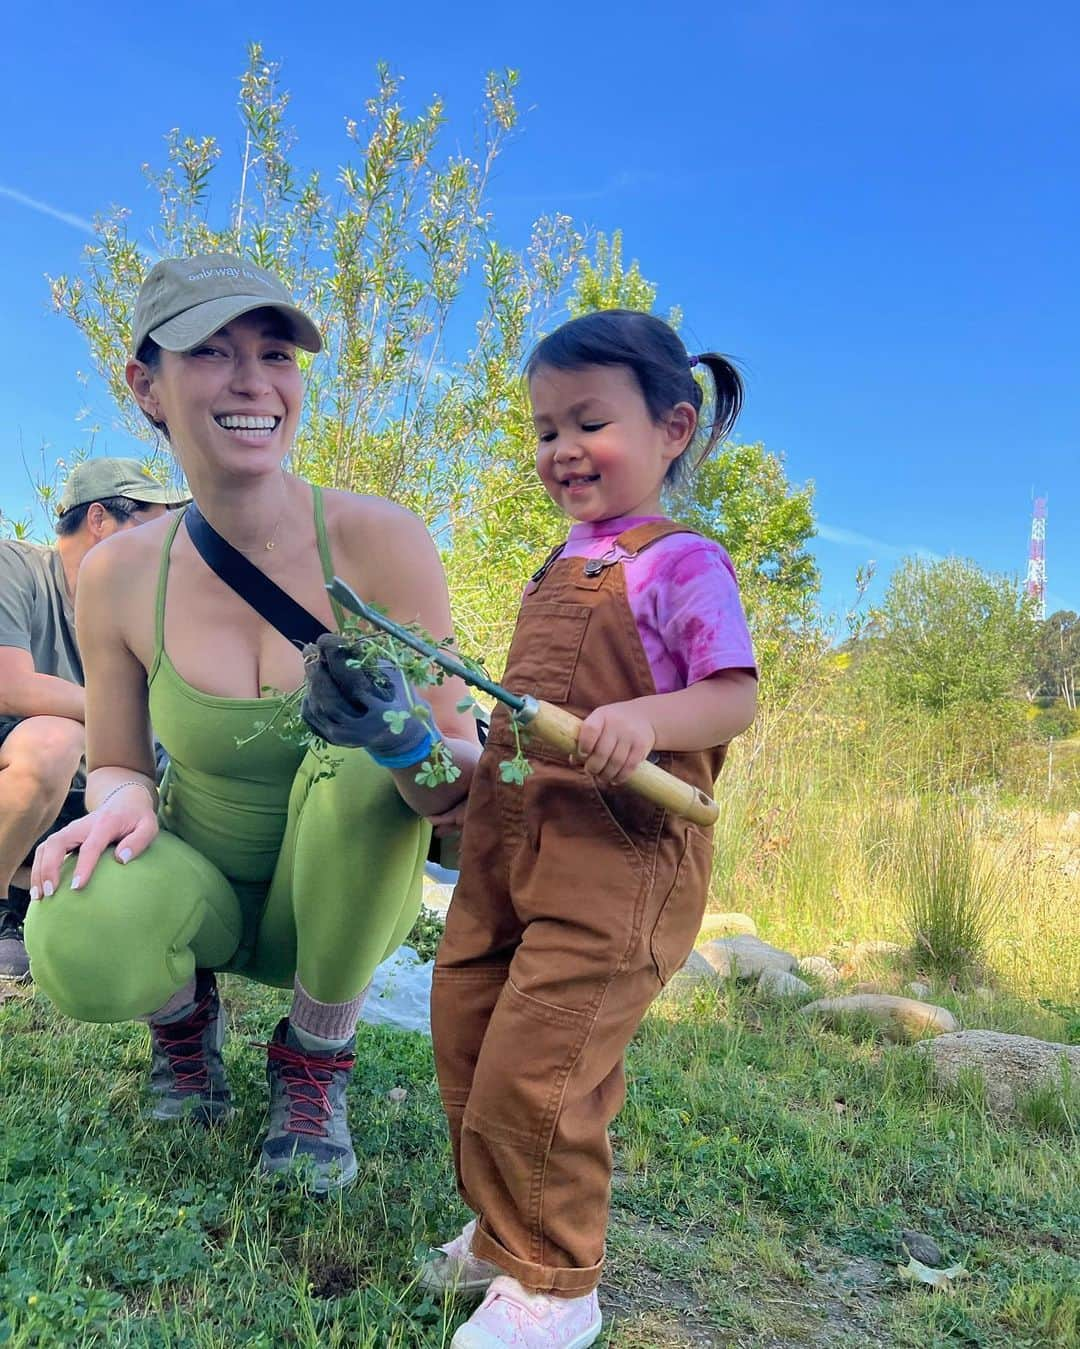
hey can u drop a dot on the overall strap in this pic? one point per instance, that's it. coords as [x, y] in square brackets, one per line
[644, 536]
[324, 551]
[627, 546]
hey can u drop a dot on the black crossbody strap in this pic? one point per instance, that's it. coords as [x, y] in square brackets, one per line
[266, 597]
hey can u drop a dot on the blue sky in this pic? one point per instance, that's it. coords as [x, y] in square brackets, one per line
[873, 205]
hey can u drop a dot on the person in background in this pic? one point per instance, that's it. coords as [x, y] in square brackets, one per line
[42, 703]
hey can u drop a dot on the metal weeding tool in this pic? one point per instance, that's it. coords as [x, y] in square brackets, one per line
[551, 724]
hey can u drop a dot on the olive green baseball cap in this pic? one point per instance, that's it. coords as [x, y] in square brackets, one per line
[185, 300]
[99, 479]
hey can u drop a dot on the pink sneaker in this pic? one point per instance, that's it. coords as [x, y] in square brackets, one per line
[454, 1269]
[511, 1318]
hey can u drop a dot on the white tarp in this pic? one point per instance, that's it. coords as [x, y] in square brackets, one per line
[400, 993]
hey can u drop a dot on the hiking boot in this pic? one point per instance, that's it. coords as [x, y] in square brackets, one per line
[14, 963]
[187, 1075]
[454, 1269]
[511, 1318]
[308, 1129]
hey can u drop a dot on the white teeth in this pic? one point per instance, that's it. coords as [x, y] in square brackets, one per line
[233, 423]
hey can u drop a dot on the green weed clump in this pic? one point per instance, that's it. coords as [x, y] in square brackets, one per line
[1044, 1313]
[955, 889]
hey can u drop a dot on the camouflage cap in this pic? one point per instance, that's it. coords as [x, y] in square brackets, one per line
[184, 300]
[99, 479]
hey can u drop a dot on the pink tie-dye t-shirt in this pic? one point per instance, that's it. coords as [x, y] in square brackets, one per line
[684, 598]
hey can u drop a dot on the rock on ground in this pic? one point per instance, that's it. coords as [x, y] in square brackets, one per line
[721, 924]
[695, 971]
[746, 957]
[920, 1247]
[1012, 1066]
[781, 985]
[820, 968]
[918, 989]
[902, 1019]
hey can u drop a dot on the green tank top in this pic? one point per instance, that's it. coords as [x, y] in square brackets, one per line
[226, 791]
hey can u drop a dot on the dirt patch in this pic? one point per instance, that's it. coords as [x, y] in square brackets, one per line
[648, 1308]
[331, 1280]
[832, 1304]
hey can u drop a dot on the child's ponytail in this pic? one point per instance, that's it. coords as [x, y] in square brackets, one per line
[727, 401]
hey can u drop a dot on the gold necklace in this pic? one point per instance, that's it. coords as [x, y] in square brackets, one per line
[271, 542]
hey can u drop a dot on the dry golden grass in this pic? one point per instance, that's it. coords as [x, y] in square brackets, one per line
[817, 842]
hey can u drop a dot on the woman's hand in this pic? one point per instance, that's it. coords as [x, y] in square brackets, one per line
[127, 819]
[614, 739]
[349, 705]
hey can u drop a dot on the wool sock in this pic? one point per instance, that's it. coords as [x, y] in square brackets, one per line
[180, 1005]
[323, 1027]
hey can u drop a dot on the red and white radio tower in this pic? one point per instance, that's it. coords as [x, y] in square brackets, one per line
[1036, 568]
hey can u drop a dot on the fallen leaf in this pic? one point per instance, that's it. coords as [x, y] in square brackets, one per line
[935, 1278]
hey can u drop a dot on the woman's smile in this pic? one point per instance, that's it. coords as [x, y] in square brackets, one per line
[248, 427]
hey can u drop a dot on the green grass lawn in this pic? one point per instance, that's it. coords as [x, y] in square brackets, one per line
[764, 1169]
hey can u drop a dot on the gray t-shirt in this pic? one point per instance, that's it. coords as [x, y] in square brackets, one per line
[36, 612]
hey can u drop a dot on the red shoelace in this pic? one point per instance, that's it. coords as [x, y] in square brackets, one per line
[182, 1042]
[307, 1084]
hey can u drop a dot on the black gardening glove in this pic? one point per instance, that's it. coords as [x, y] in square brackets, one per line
[345, 705]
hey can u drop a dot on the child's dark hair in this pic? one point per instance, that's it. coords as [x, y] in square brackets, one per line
[661, 365]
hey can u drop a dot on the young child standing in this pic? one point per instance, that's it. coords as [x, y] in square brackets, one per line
[578, 899]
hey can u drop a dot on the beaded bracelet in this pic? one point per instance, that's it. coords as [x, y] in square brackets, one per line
[131, 782]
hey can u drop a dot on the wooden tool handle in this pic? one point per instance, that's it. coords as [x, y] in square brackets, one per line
[560, 729]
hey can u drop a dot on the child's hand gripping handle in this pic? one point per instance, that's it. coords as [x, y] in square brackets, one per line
[560, 729]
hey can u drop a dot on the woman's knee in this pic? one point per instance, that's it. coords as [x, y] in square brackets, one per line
[101, 961]
[122, 946]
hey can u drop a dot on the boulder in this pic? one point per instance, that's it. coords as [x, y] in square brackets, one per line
[901, 1019]
[820, 968]
[1012, 1066]
[721, 924]
[696, 970]
[780, 986]
[745, 957]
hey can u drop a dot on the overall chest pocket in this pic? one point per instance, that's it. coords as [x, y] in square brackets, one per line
[545, 648]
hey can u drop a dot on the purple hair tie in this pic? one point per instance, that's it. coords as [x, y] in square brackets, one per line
[694, 360]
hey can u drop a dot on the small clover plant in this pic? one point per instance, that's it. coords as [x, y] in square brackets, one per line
[370, 646]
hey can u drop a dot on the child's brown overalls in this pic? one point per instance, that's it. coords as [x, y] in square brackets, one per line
[575, 905]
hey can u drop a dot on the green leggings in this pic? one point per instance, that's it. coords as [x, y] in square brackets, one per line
[344, 891]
